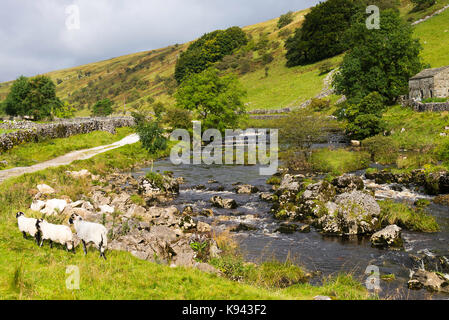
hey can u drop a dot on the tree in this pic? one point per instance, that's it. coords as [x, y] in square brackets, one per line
[178, 118]
[216, 100]
[15, 102]
[381, 60]
[210, 48]
[158, 109]
[151, 137]
[102, 108]
[285, 19]
[34, 97]
[321, 35]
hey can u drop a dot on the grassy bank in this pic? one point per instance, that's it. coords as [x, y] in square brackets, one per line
[31, 153]
[27, 272]
[338, 161]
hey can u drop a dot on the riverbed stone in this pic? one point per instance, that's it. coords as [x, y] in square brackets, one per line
[347, 183]
[287, 228]
[387, 237]
[429, 280]
[219, 202]
[246, 189]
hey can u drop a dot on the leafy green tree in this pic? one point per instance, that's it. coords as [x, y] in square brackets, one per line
[285, 19]
[15, 102]
[422, 4]
[102, 108]
[217, 101]
[34, 97]
[208, 49]
[321, 35]
[381, 60]
[365, 125]
[151, 136]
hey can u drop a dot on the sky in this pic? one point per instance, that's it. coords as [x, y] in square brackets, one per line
[39, 36]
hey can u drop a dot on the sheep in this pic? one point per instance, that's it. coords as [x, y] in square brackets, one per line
[55, 233]
[90, 232]
[27, 226]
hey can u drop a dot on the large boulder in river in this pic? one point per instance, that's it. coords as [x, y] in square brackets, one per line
[149, 186]
[351, 214]
[291, 183]
[387, 237]
[347, 183]
[219, 202]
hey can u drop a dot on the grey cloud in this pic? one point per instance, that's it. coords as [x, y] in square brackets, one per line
[35, 39]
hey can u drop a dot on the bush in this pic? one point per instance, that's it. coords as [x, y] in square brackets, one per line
[178, 118]
[102, 108]
[151, 136]
[319, 104]
[326, 67]
[285, 20]
[384, 150]
[422, 4]
[159, 109]
[267, 58]
[365, 125]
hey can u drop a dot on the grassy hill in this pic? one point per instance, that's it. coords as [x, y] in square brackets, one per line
[132, 79]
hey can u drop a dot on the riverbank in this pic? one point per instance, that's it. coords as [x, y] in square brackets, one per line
[28, 272]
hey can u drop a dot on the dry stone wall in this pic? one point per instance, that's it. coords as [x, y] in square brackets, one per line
[32, 132]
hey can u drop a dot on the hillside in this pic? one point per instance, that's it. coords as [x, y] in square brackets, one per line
[132, 79]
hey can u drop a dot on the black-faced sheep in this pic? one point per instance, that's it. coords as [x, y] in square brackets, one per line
[27, 226]
[55, 233]
[90, 232]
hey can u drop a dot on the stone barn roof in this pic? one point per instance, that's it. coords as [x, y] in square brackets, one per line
[428, 73]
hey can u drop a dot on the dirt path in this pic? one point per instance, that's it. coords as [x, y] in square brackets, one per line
[67, 158]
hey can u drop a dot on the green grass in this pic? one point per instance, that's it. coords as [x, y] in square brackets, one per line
[434, 37]
[401, 214]
[31, 153]
[28, 272]
[338, 161]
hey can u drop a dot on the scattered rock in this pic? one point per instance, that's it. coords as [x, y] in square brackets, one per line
[242, 227]
[203, 227]
[304, 228]
[45, 189]
[246, 189]
[348, 183]
[54, 206]
[387, 237]
[266, 196]
[106, 209]
[79, 174]
[287, 228]
[219, 202]
[207, 212]
[291, 183]
[429, 280]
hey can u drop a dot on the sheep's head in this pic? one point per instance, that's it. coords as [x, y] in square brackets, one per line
[38, 223]
[19, 214]
[74, 217]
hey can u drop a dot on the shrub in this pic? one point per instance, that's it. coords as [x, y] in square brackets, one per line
[267, 58]
[319, 104]
[384, 150]
[365, 125]
[102, 108]
[285, 20]
[151, 136]
[326, 67]
[159, 109]
[178, 118]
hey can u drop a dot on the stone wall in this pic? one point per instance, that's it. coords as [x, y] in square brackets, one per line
[32, 132]
[434, 106]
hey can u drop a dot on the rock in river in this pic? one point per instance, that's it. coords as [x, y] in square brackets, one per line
[388, 237]
[219, 202]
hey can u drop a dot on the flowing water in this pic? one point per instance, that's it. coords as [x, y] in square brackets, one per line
[328, 255]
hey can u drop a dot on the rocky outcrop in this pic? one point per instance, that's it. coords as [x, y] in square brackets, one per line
[348, 183]
[387, 237]
[246, 189]
[431, 281]
[354, 213]
[32, 132]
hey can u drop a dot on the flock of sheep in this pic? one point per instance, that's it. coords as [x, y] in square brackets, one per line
[42, 230]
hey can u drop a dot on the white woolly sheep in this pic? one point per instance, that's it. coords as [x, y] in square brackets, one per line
[55, 233]
[90, 232]
[27, 226]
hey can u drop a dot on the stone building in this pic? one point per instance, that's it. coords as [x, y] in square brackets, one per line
[430, 83]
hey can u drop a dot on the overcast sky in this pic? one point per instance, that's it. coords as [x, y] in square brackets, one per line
[35, 38]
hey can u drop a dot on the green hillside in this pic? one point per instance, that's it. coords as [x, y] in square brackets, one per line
[130, 80]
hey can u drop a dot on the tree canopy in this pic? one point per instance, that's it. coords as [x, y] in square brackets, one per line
[35, 97]
[102, 108]
[321, 35]
[380, 60]
[208, 49]
[217, 101]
